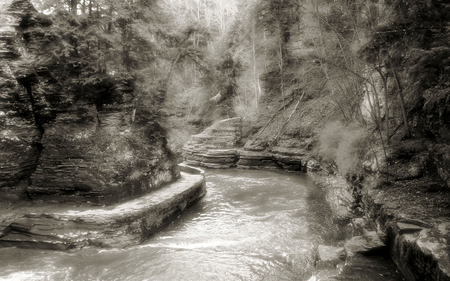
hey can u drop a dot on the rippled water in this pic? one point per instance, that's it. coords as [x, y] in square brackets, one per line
[252, 225]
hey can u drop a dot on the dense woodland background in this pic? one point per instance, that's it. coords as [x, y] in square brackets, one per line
[381, 67]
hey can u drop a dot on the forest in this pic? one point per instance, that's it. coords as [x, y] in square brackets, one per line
[379, 66]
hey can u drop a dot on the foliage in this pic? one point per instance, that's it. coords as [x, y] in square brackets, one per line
[413, 47]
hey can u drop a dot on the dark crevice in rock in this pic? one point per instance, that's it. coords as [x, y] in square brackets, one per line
[37, 119]
[37, 145]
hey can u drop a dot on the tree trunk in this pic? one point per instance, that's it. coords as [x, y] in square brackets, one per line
[402, 103]
[125, 48]
[280, 35]
[386, 98]
[73, 6]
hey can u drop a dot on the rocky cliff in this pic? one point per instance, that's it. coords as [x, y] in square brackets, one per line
[65, 136]
[216, 146]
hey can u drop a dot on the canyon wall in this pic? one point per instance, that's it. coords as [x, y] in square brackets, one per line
[65, 137]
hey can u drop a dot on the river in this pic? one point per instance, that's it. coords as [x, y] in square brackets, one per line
[251, 225]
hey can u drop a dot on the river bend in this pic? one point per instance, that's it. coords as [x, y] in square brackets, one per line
[252, 225]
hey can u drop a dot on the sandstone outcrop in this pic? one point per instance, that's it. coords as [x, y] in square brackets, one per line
[216, 146]
[219, 147]
[63, 140]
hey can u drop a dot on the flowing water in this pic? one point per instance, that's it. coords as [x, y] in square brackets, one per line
[252, 225]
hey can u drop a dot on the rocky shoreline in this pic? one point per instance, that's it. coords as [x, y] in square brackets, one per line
[380, 220]
[419, 246]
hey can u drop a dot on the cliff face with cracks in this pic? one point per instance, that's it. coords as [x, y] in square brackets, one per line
[59, 144]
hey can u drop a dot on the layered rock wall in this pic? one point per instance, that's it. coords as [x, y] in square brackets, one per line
[19, 134]
[61, 141]
[412, 222]
[219, 146]
[216, 146]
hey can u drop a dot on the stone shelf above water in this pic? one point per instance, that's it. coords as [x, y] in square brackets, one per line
[118, 225]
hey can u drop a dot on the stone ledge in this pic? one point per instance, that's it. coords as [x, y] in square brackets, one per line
[118, 225]
[421, 253]
[418, 243]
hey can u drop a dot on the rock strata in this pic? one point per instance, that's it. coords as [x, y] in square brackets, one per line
[60, 142]
[19, 135]
[256, 160]
[216, 146]
[62, 227]
[291, 159]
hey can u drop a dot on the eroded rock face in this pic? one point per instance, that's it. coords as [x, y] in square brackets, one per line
[339, 193]
[60, 141]
[19, 135]
[404, 215]
[256, 160]
[216, 146]
[365, 244]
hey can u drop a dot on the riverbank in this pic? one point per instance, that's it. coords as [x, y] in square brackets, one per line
[409, 214]
[412, 222]
[63, 227]
[251, 225]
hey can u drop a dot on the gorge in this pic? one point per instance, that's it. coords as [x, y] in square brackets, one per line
[100, 100]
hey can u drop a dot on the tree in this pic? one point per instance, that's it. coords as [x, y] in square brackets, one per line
[415, 36]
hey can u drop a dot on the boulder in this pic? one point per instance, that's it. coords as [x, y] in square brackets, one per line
[366, 244]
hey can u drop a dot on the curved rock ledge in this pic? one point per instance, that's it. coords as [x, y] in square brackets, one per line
[217, 147]
[119, 225]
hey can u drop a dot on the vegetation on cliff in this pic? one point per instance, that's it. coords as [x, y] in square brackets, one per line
[377, 69]
[91, 84]
[374, 71]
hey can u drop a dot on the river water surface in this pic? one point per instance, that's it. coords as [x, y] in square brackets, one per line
[252, 225]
